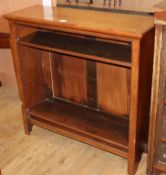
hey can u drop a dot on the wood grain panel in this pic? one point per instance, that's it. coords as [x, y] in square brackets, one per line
[69, 78]
[87, 122]
[31, 76]
[91, 84]
[155, 96]
[74, 45]
[157, 107]
[46, 71]
[113, 89]
[23, 30]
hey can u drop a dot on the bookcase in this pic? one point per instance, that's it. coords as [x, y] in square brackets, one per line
[157, 129]
[86, 74]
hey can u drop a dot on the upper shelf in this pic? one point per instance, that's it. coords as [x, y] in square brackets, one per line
[87, 47]
[115, 24]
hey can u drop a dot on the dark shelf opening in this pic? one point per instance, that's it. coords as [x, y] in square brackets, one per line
[91, 48]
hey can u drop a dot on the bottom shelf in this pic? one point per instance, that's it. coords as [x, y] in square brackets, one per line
[87, 125]
[163, 139]
[160, 168]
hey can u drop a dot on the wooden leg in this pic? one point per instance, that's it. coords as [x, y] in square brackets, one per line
[27, 125]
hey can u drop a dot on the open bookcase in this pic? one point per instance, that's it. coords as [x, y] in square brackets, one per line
[75, 102]
[91, 84]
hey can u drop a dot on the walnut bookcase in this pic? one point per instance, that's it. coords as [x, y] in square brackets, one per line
[89, 80]
[157, 131]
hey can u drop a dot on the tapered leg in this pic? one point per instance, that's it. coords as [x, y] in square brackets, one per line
[27, 125]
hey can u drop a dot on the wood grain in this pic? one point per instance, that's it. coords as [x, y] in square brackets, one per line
[92, 97]
[141, 82]
[97, 49]
[69, 78]
[34, 80]
[157, 134]
[46, 73]
[155, 94]
[91, 123]
[114, 23]
[113, 88]
[125, 86]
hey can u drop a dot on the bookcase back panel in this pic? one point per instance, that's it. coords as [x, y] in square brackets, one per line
[94, 84]
[32, 78]
[69, 78]
[46, 72]
[113, 87]
[85, 70]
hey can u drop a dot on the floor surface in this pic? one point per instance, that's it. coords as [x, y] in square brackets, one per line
[48, 153]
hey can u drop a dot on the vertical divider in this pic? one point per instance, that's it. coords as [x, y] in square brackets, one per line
[91, 84]
[51, 67]
[56, 63]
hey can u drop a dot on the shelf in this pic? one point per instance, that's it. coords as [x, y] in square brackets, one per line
[88, 125]
[90, 48]
[163, 139]
[160, 168]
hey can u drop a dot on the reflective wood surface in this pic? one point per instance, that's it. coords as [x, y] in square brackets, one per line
[86, 20]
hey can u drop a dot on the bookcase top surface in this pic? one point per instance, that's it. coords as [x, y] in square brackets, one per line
[127, 25]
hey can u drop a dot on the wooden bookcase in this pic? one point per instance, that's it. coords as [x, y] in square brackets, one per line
[85, 74]
[157, 131]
